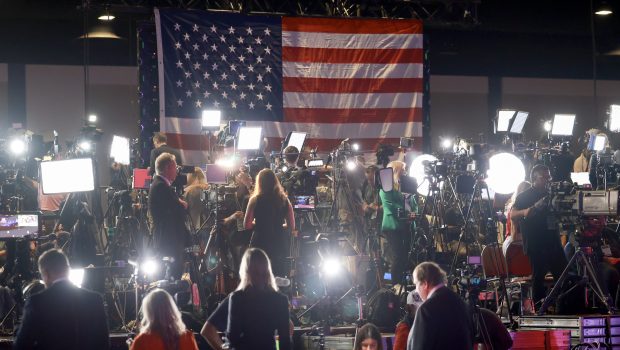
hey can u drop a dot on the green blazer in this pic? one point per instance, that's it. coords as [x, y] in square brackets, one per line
[391, 202]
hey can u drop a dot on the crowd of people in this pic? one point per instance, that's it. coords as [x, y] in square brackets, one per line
[259, 222]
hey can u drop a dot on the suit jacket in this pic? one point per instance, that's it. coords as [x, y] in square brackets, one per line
[253, 318]
[442, 322]
[65, 317]
[155, 152]
[170, 234]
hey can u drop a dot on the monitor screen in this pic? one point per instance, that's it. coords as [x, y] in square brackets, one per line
[18, 226]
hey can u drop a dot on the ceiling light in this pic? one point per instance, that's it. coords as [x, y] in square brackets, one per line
[100, 32]
[604, 9]
[106, 17]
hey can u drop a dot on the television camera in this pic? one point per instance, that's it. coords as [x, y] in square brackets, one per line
[582, 211]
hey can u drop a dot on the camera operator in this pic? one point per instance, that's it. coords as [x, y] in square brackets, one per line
[289, 177]
[541, 242]
[370, 199]
[160, 142]
[395, 226]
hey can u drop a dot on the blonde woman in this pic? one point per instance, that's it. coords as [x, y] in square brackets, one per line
[161, 327]
[258, 315]
[196, 184]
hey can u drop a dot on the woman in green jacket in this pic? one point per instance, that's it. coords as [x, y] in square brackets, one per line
[396, 230]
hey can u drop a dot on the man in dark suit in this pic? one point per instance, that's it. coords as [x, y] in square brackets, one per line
[168, 213]
[160, 142]
[62, 316]
[443, 321]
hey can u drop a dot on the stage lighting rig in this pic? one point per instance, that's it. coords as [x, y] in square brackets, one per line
[613, 122]
[519, 122]
[505, 173]
[446, 144]
[563, 125]
[249, 138]
[18, 146]
[211, 120]
[91, 120]
[296, 139]
[547, 125]
[120, 150]
[504, 116]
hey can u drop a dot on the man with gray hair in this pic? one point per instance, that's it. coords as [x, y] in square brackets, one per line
[62, 316]
[443, 320]
[167, 212]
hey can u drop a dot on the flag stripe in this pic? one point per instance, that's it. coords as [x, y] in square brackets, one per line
[350, 25]
[352, 85]
[335, 116]
[352, 41]
[385, 56]
[351, 70]
[356, 100]
[323, 130]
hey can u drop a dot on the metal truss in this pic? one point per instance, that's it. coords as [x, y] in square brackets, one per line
[463, 12]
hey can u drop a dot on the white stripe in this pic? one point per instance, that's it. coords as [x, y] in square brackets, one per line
[352, 41]
[160, 71]
[327, 100]
[195, 158]
[315, 130]
[352, 70]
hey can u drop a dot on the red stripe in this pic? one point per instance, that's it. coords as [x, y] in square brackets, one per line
[365, 26]
[199, 143]
[343, 86]
[337, 116]
[386, 56]
[188, 142]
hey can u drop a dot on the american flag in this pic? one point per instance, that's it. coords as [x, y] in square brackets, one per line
[333, 78]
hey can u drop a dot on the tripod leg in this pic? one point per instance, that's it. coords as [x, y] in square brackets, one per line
[596, 286]
[558, 284]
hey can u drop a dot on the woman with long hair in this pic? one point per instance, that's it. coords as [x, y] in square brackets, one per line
[368, 337]
[258, 315]
[196, 184]
[267, 212]
[161, 327]
[394, 228]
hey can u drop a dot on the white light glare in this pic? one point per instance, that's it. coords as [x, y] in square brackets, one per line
[351, 165]
[92, 118]
[505, 173]
[599, 142]
[149, 267]
[446, 143]
[63, 176]
[614, 118]
[76, 276]
[503, 119]
[547, 126]
[106, 17]
[416, 170]
[17, 146]
[355, 146]
[284, 169]
[119, 151]
[226, 162]
[603, 12]
[211, 119]
[85, 146]
[331, 267]
[249, 138]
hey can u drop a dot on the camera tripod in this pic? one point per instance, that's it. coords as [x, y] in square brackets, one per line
[582, 260]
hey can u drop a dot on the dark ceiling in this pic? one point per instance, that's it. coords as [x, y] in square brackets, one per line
[537, 38]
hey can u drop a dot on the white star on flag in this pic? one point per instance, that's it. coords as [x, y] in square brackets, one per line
[180, 103]
[177, 27]
[195, 27]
